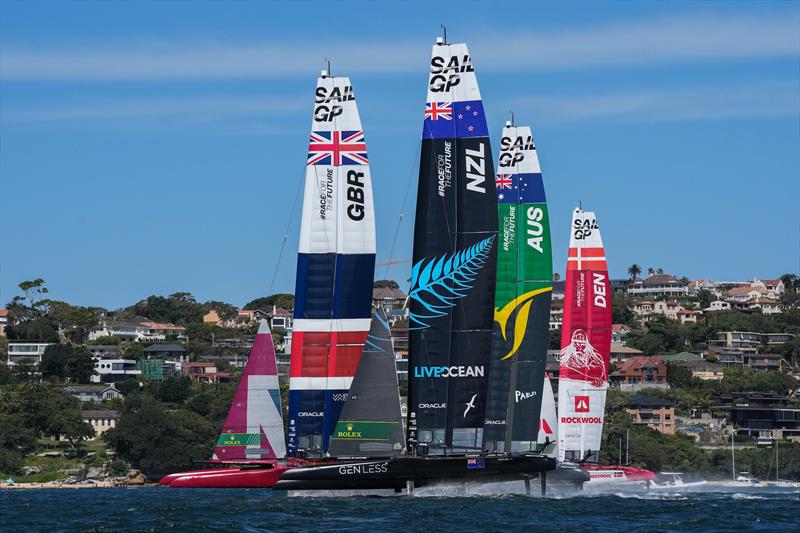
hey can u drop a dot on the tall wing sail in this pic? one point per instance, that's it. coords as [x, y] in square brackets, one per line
[522, 298]
[335, 268]
[548, 423]
[254, 426]
[585, 342]
[370, 423]
[452, 279]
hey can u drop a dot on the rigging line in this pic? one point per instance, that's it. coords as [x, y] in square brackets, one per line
[286, 234]
[403, 209]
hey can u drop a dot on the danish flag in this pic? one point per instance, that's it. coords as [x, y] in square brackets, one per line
[587, 259]
[437, 110]
[337, 148]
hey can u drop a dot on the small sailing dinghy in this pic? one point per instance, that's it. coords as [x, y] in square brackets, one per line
[251, 444]
[451, 305]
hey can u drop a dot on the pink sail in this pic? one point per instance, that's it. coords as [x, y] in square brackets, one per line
[253, 429]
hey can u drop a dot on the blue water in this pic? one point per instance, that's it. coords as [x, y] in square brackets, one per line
[164, 509]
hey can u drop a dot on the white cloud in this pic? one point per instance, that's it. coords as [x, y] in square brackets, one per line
[688, 38]
[194, 109]
[761, 100]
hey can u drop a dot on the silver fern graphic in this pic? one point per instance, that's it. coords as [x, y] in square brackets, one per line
[437, 284]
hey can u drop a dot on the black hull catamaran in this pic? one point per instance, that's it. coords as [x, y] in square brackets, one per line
[451, 315]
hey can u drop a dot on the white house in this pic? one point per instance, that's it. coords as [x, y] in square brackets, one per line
[26, 352]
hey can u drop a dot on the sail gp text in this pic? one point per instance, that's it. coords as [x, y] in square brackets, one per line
[448, 372]
[375, 468]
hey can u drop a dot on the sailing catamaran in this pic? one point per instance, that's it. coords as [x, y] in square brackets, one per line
[586, 355]
[335, 269]
[451, 304]
[522, 301]
[252, 440]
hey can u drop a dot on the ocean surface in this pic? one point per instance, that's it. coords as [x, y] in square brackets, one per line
[441, 509]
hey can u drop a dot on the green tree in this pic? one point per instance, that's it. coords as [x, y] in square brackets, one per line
[678, 376]
[174, 389]
[634, 271]
[382, 283]
[225, 311]
[705, 297]
[622, 310]
[64, 361]
[265, 303]
[159, 442]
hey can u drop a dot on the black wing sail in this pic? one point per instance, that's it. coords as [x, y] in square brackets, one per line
[453, 277]
[370, 424]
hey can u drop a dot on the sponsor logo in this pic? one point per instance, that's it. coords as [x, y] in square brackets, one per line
[583, 228]
[494, 422]
[374, 468]
[476, 168]
[522, 305]
[510, 228]
[349, 433]
[511, 151]
[326, 194]
[599, 285]
[581, 420]
[328, 106]
[309, 413]
[445, 72]
[449, 371]
[580, 357]
[431, 406]
[582, 404]
[444, 168]
[355, 195]
[470, 405]
[339, 397]
[535, 228]
[520, 395]
[544, 426]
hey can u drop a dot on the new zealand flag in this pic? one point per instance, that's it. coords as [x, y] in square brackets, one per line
[466, 120]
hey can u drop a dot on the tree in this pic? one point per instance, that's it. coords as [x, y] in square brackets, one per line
[705, 297]
[74, 321]
[70, 425]
[659, 270]
[159, 442]
[556, 276]
[650, 271]
[621, 310]
[174, 389]
[678, 376]
[265, 303]
[634, 270]
[383, 283]
[64, 361]
[225, 311]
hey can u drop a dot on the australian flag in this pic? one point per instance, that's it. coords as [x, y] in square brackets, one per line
[460, 119]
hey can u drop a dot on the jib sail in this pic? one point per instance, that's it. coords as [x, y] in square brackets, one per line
[335, 267]
[370, 424]
[253, 429]
[548, 422]
[522, 299]
[585, 343]
[453, 273]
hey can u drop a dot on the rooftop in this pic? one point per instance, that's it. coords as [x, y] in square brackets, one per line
[158, 348]
[93, 414]
[640, 400]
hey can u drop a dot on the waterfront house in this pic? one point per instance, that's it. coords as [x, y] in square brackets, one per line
[705, 370]
[165, 351]
[204, 372]
[653, 412]
[619, 332]
[25, 352]
[93, 393]
[620, 352]
[640, 372]
[658, 285]
[138, 329]
[114, 370]
[101, 420]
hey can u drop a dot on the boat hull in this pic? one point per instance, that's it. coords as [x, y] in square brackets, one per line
[228, 478]
[618, 474]
[395, 473]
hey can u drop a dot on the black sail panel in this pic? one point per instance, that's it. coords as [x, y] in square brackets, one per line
[452, 281]
[370, 424]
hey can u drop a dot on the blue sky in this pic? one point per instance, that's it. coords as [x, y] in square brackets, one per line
[156, 147]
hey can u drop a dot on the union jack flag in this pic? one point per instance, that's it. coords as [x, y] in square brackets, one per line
[437, 110]
[503, 181]
[337, 148]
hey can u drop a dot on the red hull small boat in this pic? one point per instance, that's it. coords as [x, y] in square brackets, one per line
[618, 474]
[230, 478]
